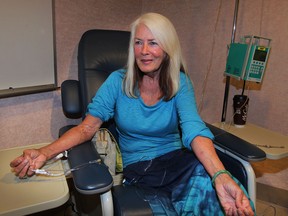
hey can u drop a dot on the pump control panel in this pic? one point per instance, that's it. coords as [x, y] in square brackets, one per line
[247, 60]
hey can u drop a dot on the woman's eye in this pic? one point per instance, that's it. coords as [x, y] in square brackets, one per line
[138, 42]
[153, 43]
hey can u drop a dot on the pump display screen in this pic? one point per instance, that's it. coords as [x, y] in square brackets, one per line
[260, 55]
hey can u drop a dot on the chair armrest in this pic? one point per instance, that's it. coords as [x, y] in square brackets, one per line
[94, 178]
[236, 145]
[71, 100]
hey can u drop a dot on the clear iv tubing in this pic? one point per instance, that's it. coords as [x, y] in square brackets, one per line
[56, 173]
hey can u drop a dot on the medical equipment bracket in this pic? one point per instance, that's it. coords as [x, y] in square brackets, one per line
[247, 60]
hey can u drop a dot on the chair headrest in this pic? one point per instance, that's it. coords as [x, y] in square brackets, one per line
[100, 52]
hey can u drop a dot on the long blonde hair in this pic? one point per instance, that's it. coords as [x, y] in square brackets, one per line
[167, 38]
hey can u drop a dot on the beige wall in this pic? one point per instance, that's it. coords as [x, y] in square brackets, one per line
[204, 27]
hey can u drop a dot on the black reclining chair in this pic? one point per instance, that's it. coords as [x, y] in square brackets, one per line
[100, 52]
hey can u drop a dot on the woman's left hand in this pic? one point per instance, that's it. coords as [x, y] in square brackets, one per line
[231, 196]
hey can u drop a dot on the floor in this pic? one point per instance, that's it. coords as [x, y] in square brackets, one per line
[272, 172]
[272, 184]
[270, 209]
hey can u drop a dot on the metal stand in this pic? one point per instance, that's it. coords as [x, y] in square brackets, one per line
[227, 85]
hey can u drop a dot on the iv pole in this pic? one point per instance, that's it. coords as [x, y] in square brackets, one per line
[227, 85]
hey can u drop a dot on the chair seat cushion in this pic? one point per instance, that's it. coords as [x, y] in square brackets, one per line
[128, 202]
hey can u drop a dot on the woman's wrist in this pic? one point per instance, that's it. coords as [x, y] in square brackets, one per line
[220, 172]
[47, 152]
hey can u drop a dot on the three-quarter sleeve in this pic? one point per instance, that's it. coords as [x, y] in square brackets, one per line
[190, 121]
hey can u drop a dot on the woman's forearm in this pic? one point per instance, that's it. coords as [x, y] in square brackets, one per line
[204, 150]
[77, 135]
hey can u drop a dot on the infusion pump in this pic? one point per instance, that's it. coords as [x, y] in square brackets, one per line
[247, 60]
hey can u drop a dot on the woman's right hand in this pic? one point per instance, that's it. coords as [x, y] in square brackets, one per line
[33, 159]
[30, 160]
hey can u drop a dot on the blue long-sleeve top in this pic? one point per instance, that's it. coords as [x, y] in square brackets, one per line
[146, 132]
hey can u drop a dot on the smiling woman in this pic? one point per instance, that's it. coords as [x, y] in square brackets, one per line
[26, 47]
[164, 142]
[160, 37]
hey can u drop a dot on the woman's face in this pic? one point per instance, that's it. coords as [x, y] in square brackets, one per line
[148, 54]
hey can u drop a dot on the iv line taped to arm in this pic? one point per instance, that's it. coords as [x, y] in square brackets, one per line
[56, 173]
[57, 157]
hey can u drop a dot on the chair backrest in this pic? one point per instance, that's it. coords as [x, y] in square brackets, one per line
[100, 52]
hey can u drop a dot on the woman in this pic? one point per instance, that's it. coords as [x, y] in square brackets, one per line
[149, 101]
